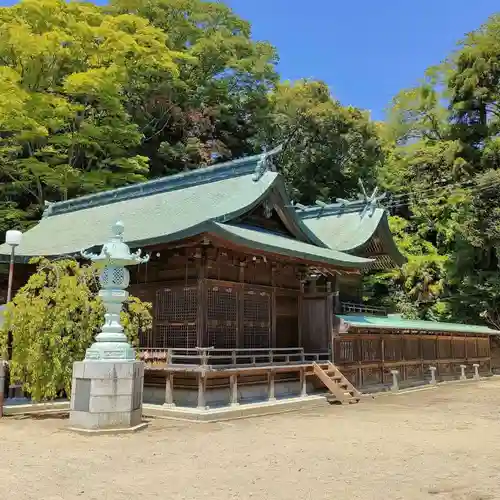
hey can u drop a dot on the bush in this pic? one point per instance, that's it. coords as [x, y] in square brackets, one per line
[53, 319]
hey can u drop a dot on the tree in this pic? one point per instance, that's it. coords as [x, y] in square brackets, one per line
[219, 103]
[442, 160]
[67, 74]
[474, 85]
[329, 147]
[53, 319]
[94, 98]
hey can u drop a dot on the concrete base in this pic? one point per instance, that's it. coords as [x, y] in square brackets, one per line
[234, 412]
[36, 408]
[108, 432]
[222, 397]
[106, 395]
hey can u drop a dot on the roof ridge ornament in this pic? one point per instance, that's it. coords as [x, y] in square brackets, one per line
[371, 202]
[265, 162]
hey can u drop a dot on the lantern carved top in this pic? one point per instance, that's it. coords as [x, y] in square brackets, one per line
[116, 252]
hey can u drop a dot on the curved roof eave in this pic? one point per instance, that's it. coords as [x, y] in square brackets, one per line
[292, 219]
[384, 231]
[281, 245]
[378, 223]
[388, 242]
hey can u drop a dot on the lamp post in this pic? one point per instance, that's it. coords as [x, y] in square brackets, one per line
[13, 239]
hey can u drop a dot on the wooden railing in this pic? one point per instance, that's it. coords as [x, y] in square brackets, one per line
[353, 307]
[221, 358]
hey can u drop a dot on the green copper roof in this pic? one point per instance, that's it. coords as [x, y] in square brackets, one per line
[395, 322]
[348, 227]
[180, 206]
[267, 241]
[163, 210]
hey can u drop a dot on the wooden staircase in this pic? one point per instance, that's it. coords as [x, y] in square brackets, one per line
[341, 390]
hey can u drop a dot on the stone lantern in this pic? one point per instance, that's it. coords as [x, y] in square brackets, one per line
[107, 386]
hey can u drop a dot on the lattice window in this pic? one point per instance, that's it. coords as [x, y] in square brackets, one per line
[371, 349]
[459, 348]
[392, 349]
[176, 313]
[256, 319]
[471, 348]
[346, 351]
[222, 317]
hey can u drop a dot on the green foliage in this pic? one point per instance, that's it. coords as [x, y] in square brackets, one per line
[53, 319]
[415, 289]
[93, 98]
[442, 159]
[220, 101]
[329, 146]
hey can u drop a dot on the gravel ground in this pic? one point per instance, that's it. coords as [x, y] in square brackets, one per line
[441, 444]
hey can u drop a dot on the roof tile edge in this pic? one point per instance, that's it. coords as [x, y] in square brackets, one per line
[256, 165]
[354, 206]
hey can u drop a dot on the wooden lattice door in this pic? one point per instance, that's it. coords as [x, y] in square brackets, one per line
[256, 319]
[175, 317]
[222, 317]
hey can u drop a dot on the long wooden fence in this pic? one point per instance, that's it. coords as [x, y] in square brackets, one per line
[367, 359]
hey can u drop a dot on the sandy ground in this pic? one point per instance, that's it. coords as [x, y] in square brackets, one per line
[442, 444]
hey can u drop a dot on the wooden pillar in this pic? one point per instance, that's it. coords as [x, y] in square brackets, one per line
[201, 263]
[300, 314]
[382, 358]
[273, 307]
[403, 358]
[169, 390]
[233, 381]
[337, 306]
[421, 355]
[303, 383]
[329, 318]
[240, 301]
[270, 386]
[202, 383]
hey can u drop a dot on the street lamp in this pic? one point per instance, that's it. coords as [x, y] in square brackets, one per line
[13, 239]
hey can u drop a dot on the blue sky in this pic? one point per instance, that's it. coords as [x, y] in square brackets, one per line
[365, 50]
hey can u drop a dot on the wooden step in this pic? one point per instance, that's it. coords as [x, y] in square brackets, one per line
[341, 390]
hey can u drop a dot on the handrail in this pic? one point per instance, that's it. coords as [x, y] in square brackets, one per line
[210, 356]
[353, 307]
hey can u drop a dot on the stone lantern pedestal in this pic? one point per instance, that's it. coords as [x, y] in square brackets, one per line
[107, 387]
[107, 395]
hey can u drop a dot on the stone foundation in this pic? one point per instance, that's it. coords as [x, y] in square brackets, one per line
[216, 398]
[107, 394]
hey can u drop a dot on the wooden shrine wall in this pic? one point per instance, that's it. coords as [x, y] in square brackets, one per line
[223, 300]
[367, 359]
[221, 314]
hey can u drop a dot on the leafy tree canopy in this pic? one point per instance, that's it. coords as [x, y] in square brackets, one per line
[442, 161]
